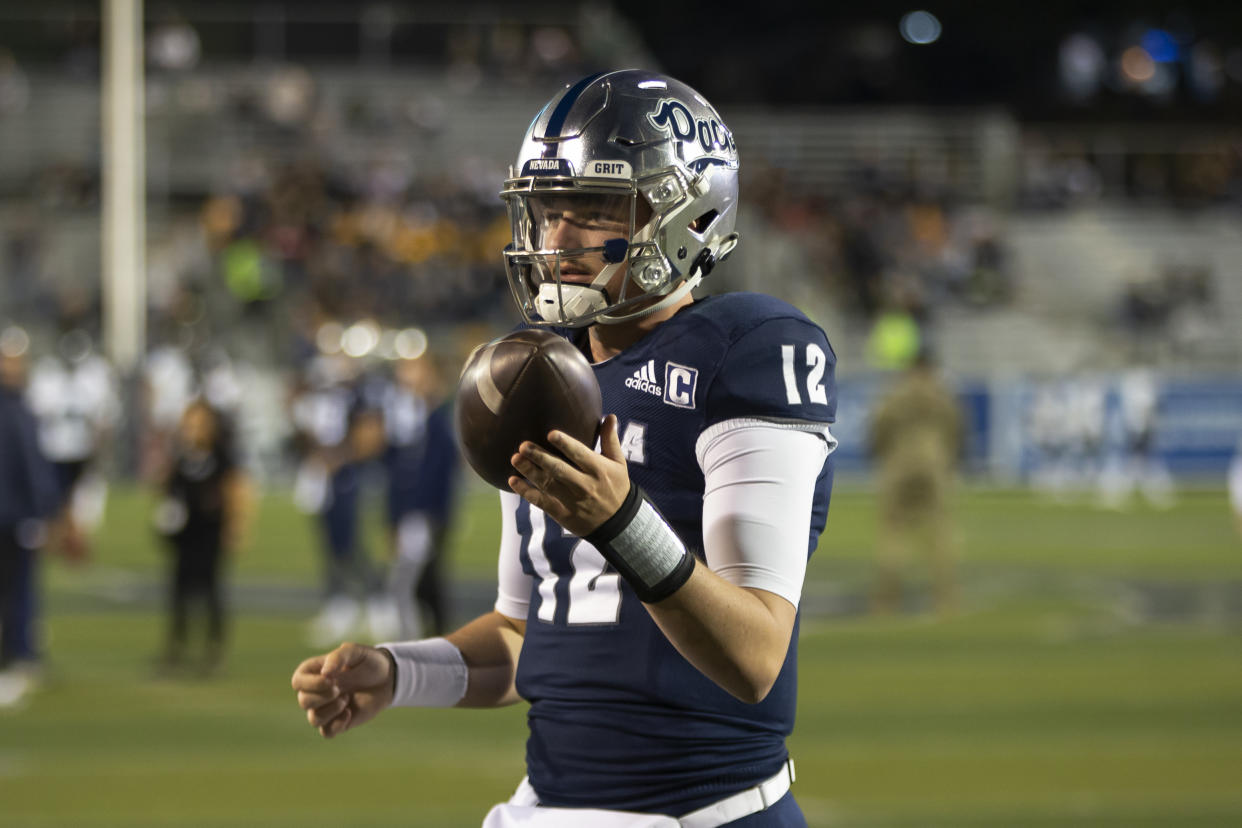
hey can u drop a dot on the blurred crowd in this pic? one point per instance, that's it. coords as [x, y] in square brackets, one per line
[379, 245]
[1197, 171]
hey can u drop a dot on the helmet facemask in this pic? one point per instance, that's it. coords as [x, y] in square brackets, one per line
[570, 243]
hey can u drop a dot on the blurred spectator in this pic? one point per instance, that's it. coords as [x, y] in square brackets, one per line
[168, 387]
[339, 430]
[74, 395]
[1168, 310]
[896, 337]
[1067, 421]
[1088, 396]
[862, 254]
[23, 254]
[1135, 466]
[422, 461]
[980, 269]
[1145, 306]
[1059, 175]
[204, 513]
[28, 498]
[916, 439]
[1052, 435]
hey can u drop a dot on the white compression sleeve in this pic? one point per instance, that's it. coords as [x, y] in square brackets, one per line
[430, 673]
[512, 584]
[760, 483]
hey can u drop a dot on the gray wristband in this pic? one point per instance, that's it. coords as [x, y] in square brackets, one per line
[428, 673]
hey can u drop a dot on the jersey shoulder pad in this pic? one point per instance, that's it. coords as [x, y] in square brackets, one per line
[777, 365]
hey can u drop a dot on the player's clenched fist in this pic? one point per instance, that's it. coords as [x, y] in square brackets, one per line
[344, 688]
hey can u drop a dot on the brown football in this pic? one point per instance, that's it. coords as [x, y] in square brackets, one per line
[520, 387]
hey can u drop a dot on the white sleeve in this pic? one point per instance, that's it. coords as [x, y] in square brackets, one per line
[513, 585]
[760, 484]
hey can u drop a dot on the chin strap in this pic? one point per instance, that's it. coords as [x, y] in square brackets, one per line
[671, 298]
[702, 266]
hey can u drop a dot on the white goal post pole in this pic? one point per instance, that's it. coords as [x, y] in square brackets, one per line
[123, 221]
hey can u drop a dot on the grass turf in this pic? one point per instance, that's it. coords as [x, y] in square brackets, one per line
[1061, 695]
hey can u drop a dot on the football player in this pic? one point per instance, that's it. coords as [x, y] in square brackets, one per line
[648, 596]
[421, 463]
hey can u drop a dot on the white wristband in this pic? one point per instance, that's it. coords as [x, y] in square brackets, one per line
[430, 673]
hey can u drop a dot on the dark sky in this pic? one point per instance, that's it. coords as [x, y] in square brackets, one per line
[1006, 53]
[777, 52]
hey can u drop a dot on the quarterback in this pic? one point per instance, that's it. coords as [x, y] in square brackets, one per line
[647, 607]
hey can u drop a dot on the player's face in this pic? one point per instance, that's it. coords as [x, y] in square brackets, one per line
[12, 371]
[418, 375]
[198, 427]
[580, 225]
[572, 223]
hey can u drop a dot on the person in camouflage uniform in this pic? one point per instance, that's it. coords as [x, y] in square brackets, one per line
[915, 439]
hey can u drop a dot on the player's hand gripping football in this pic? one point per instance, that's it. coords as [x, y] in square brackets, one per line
[344, 688]
[581, 490]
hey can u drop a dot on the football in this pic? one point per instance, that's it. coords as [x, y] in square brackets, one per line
[520, 387]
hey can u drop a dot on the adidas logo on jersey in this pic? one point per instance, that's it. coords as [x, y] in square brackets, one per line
[644, 379]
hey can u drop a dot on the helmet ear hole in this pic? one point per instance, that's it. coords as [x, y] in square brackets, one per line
[700, 224]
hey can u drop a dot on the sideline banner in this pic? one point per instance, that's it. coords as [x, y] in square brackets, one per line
[1018, 429]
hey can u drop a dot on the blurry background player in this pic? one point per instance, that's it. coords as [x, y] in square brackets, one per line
[421, 461]
[29, 497]
[204, 512]
[916, 438]
[168, 385]
[651, 590]
[1134, 465]
[340, 430]
[73, 393]
[1067, 424]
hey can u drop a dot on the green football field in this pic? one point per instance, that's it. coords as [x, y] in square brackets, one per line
[1092, 677]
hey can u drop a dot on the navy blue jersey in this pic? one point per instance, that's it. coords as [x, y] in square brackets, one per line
[618, 718]
[28, 487]
[421, 461]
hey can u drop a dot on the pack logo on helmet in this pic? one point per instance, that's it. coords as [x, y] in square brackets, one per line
[674, 117]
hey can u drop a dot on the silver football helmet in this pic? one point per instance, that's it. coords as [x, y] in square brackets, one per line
[644, 166]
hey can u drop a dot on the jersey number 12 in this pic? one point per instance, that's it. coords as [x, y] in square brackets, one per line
[817, 361]
[594, 591]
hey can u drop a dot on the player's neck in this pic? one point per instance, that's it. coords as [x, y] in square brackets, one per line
[607, 341]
